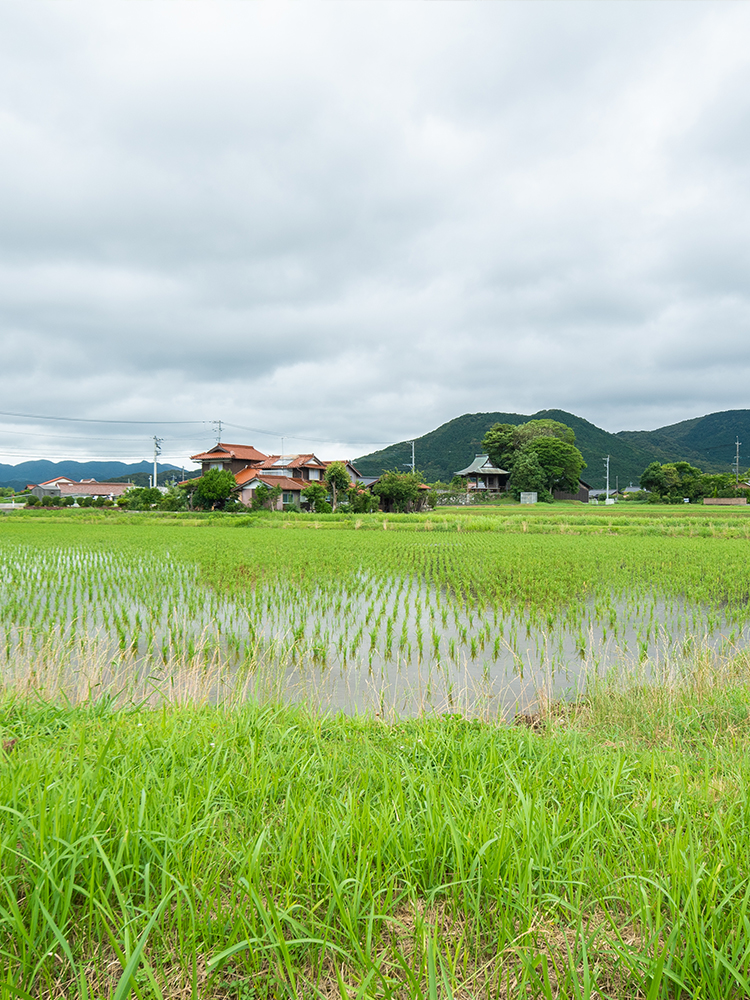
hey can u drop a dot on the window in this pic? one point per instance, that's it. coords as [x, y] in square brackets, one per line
[288, 498]
[314, 473]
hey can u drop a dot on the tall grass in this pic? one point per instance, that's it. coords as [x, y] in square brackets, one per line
[262, 851]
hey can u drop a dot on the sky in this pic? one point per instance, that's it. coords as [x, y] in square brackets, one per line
[332, 226]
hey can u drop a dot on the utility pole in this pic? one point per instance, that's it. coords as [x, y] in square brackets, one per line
[737, 443]
[157, 451]
[412, 465]
[606, 462]
[217, 428]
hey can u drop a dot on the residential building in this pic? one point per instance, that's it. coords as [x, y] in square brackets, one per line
[63, 487]
[250, 479]
[231, 457]
[307, 468]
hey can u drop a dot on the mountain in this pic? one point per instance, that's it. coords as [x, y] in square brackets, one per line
[704, 441]
[708, 442]
[40, 471]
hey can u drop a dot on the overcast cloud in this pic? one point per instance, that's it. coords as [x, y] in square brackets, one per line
[346, 223]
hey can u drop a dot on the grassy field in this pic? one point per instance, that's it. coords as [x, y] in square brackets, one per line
[174, 838]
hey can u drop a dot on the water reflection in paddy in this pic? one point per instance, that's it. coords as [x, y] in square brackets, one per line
[394, 645]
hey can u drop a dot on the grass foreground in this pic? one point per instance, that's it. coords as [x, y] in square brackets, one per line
[262, 851]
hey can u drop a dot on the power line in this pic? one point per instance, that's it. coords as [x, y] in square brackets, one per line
[93, 420]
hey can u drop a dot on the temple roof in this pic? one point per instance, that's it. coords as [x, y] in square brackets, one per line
[483, 467]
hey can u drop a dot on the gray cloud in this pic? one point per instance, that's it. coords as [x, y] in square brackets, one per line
[348, 223]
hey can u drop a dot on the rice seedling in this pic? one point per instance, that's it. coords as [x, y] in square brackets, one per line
[363, 612]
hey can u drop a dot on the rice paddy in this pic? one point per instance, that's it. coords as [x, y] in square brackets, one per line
[395, 622]
[184, 813]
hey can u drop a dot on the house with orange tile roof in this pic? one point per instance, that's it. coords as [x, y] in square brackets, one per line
[231, 457]
[308, 467]
[250, 479]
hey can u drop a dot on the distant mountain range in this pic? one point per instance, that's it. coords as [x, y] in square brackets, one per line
[18, 476]
[707, 442]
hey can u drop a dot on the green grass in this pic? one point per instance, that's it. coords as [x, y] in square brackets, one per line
[264, 852]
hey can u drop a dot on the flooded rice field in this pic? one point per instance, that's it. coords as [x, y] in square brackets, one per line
[84, 621]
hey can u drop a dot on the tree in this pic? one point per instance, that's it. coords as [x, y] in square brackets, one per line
[673, 481]
[265, 497]
[527, 475]
[399, 491]
[337, 479]
[214, 488]
[652, 479]
[360, 501]
[174, 499]
[316, 496]
[499, 443]
[504, 442]
[138, 498]
[560, 460]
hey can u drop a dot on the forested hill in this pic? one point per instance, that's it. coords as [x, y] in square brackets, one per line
[704, 441]
[708, 442]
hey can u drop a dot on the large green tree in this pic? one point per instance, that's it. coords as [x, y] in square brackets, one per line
[510, 446]
[561, 462]
[504, 442]
[214, 488]
[527, 476]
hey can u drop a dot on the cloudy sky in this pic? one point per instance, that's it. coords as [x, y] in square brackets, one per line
[345, 223]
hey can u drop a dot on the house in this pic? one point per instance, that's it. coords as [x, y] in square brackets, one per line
[250, 479]
[63, 487]
[483, 475]
[291, 472]
[308, 468]
[582, 494]
[231, 457]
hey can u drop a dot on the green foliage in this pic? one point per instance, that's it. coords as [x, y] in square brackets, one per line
[358, 500]
[337, 479]
[265, 497]
[560, 460]
[400, 491]
[213, 489]
[316, 498]
[32, 501]
[174, 499]
[673, 481]
[527, 476]
[137, 498]
[540, 455]
[7, 491]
